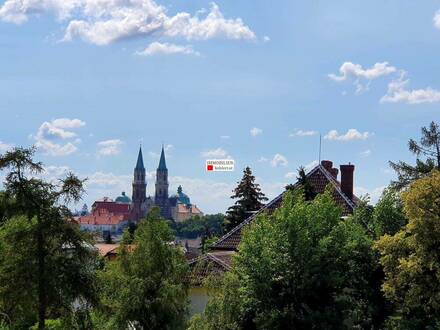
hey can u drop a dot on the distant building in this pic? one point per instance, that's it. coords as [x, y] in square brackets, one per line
[181, 207]
[106, 216]
[114, 216]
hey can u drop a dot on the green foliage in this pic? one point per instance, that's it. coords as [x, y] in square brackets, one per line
[208, 225]
[302, 267]
[411, 258]
[249, 199]
[69, 271]
[305, 184]
[145, 286]
[386, 217]
[429, 148]
[46, 263]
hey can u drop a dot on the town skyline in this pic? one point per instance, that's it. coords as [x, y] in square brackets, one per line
[244, 80]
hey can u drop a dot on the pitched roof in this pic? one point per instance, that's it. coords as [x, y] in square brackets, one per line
[319, 177]
[162, 163]
[112, 207]
[140, 161]
[206, 264]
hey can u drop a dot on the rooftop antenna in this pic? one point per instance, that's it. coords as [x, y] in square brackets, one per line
[320, 144]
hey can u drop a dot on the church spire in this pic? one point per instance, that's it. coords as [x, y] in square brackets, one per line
[162, 163]
[140, 161]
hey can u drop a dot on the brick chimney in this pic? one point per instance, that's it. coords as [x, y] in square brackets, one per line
[327, 164]
[347, 180]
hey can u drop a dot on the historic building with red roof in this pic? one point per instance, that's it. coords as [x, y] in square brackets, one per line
[113, 216]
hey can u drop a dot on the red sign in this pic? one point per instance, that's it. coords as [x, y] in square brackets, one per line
[210, 167]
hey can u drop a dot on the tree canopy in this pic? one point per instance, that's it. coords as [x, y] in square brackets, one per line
[145, 286]
[411, 258]
[427, 151]
[302, 267]
[249, 198]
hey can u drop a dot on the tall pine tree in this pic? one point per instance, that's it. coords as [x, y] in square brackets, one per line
[249, 199]
[428, 148]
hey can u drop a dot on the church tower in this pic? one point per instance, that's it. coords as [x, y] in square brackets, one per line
[161, 196]
[139, 188]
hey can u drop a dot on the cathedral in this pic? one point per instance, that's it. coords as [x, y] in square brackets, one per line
[177, 207]
[114, 216]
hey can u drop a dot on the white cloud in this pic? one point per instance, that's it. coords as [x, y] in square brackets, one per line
[301, 132]
[102, 22]
[355, 72]
[436, 19]
[225, 137]
[374, 193]
[109, 147]
[157, 48]
[266, 38]
[256, 131]
[290, 175]
[352, 134]
[5, 146]
[263, 159]
[215, 153]
[365, 153]
[279, 160]
[398, 92]
[50, 136]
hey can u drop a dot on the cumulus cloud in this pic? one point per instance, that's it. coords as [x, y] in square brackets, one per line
[225, 137]
[398, 92]
[215, 153]
[109, 147]
[256, 131]
[102, 22]
[301, 132]
[157, 48]
[352, 134]
[263, 159]
[279, 160]
[362, 77]
[437, 20]
[290, 175]
[56, 138]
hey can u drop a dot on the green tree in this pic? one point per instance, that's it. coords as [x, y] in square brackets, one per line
[304, 183]
[46, 263]
[429, 148]
[300, 268]
[145, 286]
[411, 258]
[249, 199]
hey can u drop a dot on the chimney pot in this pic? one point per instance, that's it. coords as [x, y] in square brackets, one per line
[347, 180]
[327, 164]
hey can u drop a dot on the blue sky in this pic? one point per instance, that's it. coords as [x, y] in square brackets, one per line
[86, 80]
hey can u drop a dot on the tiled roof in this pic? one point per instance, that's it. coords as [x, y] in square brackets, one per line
[105, 249]
[102, 217]
[319, 177]
[111, 207]
[214, 263]
[188, 209]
